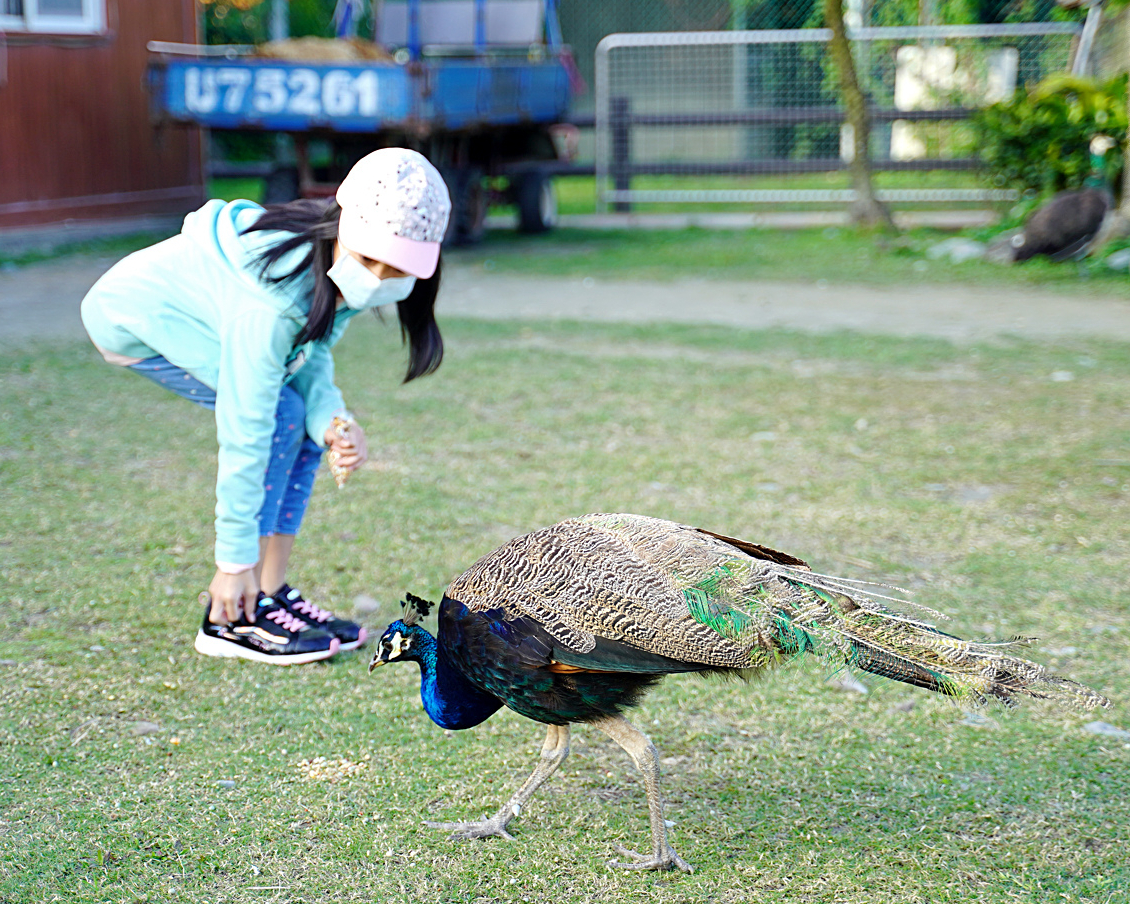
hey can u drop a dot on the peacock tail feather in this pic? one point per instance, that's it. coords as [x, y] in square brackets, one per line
[799, 612]
[674, 591]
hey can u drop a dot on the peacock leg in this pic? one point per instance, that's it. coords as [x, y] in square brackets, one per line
[646, 758]
[553, 753]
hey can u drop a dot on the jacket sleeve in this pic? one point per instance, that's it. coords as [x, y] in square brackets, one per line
[315, 383]
[253, 352]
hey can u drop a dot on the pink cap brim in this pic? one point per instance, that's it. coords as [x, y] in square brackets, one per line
[414, 258]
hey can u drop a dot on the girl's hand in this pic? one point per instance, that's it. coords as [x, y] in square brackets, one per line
[352, 448]
[233, 594]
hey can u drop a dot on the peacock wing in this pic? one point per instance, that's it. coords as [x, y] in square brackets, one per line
[655, 585]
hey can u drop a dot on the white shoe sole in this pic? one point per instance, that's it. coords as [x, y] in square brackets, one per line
[222, 649]
[361, 638]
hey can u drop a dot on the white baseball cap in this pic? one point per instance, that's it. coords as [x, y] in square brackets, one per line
[394, 208]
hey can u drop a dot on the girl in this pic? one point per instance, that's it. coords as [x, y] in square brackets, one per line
[238, 313]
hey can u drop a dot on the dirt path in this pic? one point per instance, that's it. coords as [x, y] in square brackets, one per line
[40, 302]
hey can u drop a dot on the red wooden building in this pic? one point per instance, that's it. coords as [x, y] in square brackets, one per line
[76, 142]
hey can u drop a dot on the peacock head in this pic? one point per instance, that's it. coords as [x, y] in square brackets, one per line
[404, 639]
[1101, 144]
[1101, 171]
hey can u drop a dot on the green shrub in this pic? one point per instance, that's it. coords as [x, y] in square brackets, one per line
[1040, 139]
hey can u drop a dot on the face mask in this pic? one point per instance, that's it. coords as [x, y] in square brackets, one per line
[362, 289]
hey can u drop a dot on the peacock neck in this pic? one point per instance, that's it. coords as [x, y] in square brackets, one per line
[1097, 177]
[449, 698]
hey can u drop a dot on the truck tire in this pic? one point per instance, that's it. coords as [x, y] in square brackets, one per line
[281, 185]
[468, 206]
[536, 201]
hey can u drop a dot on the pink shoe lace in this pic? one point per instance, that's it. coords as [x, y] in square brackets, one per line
[285, 620]
[310, 610]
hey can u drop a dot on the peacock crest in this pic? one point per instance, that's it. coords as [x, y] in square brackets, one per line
[415, 608]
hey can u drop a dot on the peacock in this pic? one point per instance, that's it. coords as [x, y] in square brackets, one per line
[1067, 225]
[574, 622]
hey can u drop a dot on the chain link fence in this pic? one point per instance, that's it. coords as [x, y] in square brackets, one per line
[1111, 53]
[718, 105]
[585, 23]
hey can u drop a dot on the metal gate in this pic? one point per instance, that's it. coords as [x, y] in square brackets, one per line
[754, 116]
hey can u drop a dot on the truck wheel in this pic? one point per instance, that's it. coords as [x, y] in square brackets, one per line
[281, 185]
[468, 206]
[537, 202]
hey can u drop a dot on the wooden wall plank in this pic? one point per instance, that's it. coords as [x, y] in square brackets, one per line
[74, 123]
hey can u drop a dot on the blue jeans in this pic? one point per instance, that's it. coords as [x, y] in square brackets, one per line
[294, 456]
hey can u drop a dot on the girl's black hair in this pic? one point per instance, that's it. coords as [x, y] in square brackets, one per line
[418, 325]
[314, 223]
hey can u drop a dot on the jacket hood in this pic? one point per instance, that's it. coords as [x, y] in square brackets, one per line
[221, 227]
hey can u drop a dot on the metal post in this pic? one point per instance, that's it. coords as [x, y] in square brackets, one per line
[620, 127]
[1083, 54]
[740, 76]
[414, 46]
[552, 25]
[280, 20]
[480, 25]
[279, 27]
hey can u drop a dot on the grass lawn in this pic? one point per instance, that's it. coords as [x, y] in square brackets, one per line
[577, 194]
[837, 255]
[804, 255]
[992, 481]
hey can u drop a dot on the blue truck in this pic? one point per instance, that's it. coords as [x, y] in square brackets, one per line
[480, 87]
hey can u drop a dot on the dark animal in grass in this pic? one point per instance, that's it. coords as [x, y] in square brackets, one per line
[1066, 226]
[574, 622]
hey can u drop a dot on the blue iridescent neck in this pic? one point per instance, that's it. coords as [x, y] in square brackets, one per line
[1097, 177]
[449, 698]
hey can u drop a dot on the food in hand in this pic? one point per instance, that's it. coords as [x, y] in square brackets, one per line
[340, 473]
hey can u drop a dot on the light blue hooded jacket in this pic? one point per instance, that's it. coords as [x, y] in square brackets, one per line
[197, 300]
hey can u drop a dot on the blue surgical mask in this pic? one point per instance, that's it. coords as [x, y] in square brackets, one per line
[362, 289]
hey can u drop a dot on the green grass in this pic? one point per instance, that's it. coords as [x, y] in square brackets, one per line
[968, 475]
[837, 255]
[577, 194]
[834, 254]
[115, 247]
[236, 189]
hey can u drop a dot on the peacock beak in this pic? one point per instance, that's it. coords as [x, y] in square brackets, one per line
[377, 661]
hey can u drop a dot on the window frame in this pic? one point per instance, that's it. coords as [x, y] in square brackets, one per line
[92, 21]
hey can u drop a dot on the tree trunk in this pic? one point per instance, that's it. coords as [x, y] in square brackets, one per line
[866, 210]
[1124, 208]
[1120, 227]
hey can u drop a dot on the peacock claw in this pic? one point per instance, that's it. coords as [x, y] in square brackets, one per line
[667, 860]
[468, 831]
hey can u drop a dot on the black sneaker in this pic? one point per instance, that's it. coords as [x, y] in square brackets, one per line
[277, 636]
[351, 634]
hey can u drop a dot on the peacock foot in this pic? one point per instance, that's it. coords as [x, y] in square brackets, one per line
[663, 859]
[485, 828]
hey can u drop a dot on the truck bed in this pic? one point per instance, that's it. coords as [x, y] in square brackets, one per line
[424, 97]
